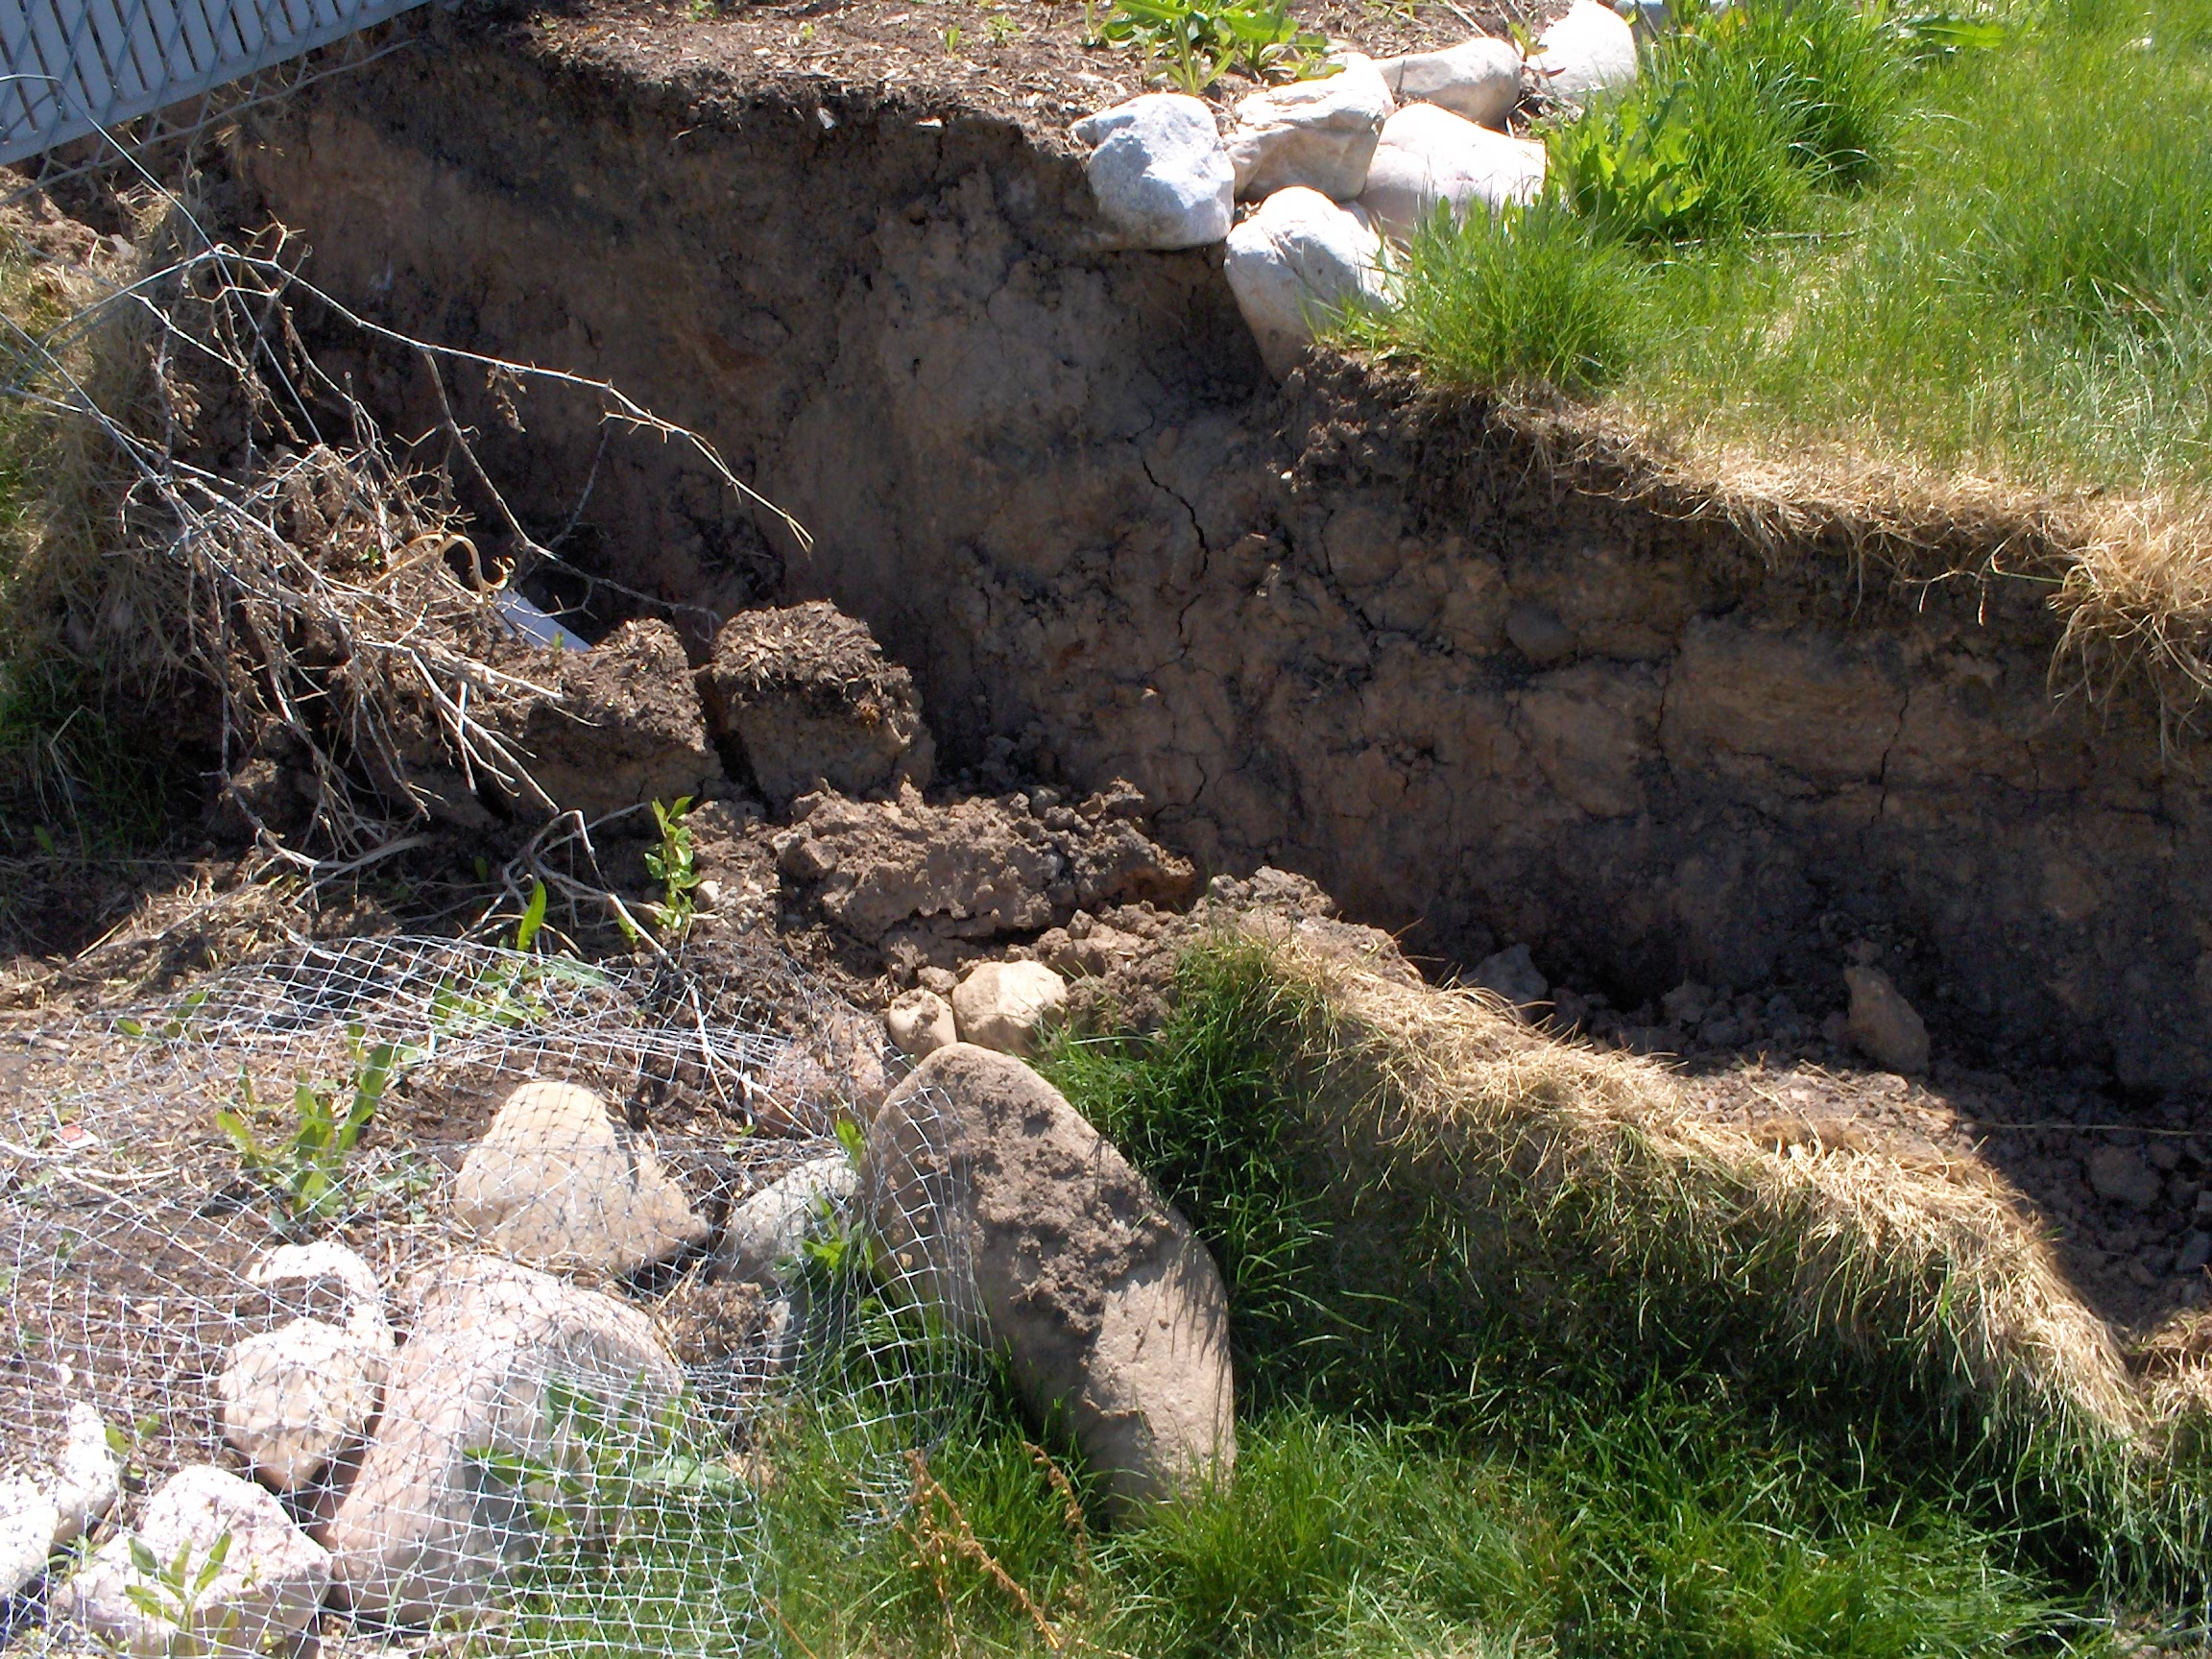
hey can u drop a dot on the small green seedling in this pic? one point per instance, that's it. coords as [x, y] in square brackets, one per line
[303, 1172]
[173, 1592]
[533, 918]
[176, 1025]
[672, 864]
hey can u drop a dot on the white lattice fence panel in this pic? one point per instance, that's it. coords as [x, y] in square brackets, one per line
[69, 68]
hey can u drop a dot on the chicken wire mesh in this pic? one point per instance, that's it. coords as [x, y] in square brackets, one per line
[510, 1364]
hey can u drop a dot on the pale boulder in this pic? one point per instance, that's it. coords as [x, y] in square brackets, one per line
[1514, 977]
[772, 1227]
[1883, 1025]
[557, 1182]
[919, 1022]
[295, 1398]
[1431, 160]
[1319, 133]
[432, 1525]
[1158, 172]
[1291, 264]
[28, 1522]
[1589, 51]
[1024, 1228]
[1477, 80]
[60, 1494]
[329, 1278]
[263, 1597]
[1006, 1005]
[85, 1477]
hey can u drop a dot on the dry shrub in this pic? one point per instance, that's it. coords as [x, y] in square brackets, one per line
[230, 539]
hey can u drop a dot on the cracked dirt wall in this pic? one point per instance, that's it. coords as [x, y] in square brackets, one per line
[1328, 627]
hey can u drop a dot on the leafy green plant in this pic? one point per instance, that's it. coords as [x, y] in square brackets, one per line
[1703, 152]
[1265, 38]
[1628, 168]
[613, 1465]
[172, 1592]
[1177, 32]
[174, 1026]
[1195, 41]
[672, 863]
[303, 1172]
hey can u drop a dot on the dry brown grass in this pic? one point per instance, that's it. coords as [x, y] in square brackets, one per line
[1584, 1175]
[2128, 579]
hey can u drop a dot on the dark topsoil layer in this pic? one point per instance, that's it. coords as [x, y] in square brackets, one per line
[1025, 60]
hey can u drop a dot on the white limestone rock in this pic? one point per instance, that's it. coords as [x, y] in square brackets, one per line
[1006, 1005]
[86, 1476]
[1590, 50]
[322, 1273]
[1318, 133]
[1477, 80]
[265, 1593]
[1160, 173]
[1431, 159]
[1296, 259]
[772, 1226]
[28, 1522]
[557, 1182]
[919, 1022]
[55, 1495]
[295, 1398]
[432, 1524]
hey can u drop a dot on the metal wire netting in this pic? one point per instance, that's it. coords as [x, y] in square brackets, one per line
[581, 1330]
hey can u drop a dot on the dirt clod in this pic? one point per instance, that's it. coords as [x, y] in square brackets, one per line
[626, 728]
[803, 696]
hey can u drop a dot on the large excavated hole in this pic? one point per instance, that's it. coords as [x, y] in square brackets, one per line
[1329, 626]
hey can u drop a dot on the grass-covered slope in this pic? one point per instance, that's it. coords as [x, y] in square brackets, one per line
[1531, 1361]
[1949, 244]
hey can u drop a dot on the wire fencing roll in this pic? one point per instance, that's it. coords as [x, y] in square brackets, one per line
[175, 1259]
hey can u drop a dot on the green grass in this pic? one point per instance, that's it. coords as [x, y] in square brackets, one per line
[1669, 1524]
[1997, 262]
[1379, 1273]
[1535, 301]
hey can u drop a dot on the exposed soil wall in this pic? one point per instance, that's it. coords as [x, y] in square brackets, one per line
[1329, 627]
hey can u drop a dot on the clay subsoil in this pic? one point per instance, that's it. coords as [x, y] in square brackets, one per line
[1344, 626]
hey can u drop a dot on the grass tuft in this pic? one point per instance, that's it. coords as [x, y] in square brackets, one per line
[1532, 298]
